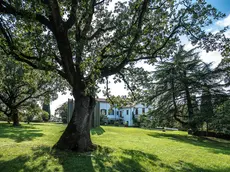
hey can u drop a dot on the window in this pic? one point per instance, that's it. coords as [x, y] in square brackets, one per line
[117, 113]
[127, 112]
[111, 112]
[103, 111]
[143, 110]
[136, 111]
[120, 113]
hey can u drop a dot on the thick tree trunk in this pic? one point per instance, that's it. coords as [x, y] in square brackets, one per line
[77, 134]
[15, 117]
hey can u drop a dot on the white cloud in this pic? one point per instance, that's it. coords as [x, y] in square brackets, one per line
[118, 89]
[213, 57]
[209, 29]
[227, 33]
[225, 22]
[115, 88]
[188, 46]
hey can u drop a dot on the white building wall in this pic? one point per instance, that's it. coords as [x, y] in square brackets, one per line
[106, 106]
[132, 110]
[126, 117]
[140, 109]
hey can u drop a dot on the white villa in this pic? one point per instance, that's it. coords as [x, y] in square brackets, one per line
[125, 114]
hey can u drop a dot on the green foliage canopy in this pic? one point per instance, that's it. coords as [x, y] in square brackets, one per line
[21, 85]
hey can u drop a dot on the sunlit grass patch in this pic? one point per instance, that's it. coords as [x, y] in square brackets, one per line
[29, 148]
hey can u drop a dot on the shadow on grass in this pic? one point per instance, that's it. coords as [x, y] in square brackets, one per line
[211, 145]
[185, 166]
[137, 161]
[20, 133]
[43, 159]
[47, 123]
[98, 131]
[129, 160]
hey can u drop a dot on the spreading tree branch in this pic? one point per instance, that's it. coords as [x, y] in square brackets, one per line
[72, 19]
[112, 70]
[6, 8]
[99, 31]
[107, 71]
[127, 83]
[25, 58]
[107, 91]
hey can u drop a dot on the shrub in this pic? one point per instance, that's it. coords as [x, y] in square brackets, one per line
[37, 118]
[64, 119]
[111, 121]
[103, 119]
[45, 116]
[3, 117]
[116, 123]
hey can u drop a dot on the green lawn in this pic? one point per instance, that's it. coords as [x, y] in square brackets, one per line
[28, 148]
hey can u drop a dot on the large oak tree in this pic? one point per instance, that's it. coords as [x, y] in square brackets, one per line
[85, 41]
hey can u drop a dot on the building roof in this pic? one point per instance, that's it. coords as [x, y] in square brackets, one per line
[101, 99]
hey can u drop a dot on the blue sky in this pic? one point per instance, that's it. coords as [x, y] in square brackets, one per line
[222, 5]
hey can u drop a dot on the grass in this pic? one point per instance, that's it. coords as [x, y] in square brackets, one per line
[28, 148]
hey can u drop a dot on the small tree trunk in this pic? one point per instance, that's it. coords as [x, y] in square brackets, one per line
[191, 122]
[15, 117]
[77, 134]
[8, 120]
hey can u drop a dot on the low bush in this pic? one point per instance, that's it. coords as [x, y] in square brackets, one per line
[116, 123]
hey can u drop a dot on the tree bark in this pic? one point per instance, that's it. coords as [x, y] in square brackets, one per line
[15, 117]
[76, 136]
[8, 120]
[175, 104]
[191, 122]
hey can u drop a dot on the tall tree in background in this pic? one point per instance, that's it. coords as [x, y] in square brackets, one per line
[206, 107]
[20, 84]
[32, 112]
[62, 111]
[46, 108]
[186, 88]
[220, 100]
[85, 41]
[175, 83]
[221, 120]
